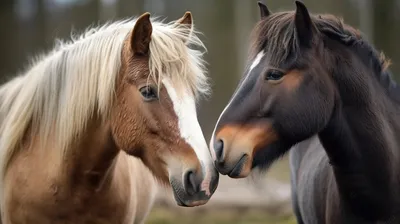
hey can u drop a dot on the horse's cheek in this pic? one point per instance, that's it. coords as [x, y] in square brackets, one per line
[124, 129]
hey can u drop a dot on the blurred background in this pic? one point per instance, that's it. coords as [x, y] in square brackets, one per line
[29, 27]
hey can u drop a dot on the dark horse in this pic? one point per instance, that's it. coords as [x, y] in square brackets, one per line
[315, 86]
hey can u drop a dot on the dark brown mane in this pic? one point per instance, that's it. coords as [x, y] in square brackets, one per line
[276, 35]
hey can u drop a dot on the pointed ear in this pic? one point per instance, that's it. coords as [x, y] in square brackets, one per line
[305, 27]
[187, 21]
[141, 35]
[264, 12]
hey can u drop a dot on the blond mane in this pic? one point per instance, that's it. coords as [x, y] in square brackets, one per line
[63, 89]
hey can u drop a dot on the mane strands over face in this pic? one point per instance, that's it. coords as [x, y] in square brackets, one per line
[76, 81]
[172, 59]
[8, 92]
[275, 34]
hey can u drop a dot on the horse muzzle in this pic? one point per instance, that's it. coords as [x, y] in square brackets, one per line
[234, 146]
[194, 187]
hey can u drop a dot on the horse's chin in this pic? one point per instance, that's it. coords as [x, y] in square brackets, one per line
[241, 169]
[178, 201]
[183, 199]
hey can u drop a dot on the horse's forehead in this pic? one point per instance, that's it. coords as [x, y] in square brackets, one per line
[179, 94]
[274, 36]
[183, 105]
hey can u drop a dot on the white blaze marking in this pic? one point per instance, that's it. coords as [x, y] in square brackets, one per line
[253, 65]
[190, 130]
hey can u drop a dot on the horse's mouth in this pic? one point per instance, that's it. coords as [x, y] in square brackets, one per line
[178, 199]
[179, 195]
[237, 169]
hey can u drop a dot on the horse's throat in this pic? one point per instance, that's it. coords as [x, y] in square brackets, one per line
[92, 161]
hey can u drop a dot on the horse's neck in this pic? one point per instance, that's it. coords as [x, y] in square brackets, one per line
[360, 143]
[91, 160]
[90, 180]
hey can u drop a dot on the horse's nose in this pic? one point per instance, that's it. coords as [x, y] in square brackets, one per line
[191, 182]
[219, 150]
[198, 186]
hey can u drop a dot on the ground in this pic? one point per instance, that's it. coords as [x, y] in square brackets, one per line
[228, 216]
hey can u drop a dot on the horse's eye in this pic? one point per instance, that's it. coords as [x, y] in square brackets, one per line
[274, 75]
[148, 93]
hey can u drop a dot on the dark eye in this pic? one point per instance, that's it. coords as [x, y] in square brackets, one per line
[148, 93]
[274, 75]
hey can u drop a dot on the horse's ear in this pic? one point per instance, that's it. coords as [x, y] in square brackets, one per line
[305, 27]
[141, 35]
[264, 11]
[187, 21]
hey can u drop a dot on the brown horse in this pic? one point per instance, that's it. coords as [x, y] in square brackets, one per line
[315, 86]
[76, 127]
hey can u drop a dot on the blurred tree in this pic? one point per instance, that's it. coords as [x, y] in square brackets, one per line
[6, 4]
[127, 8]
[386, 28]
[383, 22]
[366, 18]
[245, 18]
[108, 9]
[8, 56]
[222, 59]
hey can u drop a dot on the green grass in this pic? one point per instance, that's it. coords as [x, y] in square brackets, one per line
[218, 216]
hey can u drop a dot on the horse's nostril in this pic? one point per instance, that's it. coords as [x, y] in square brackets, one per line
[219, 150]
[190, 184]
